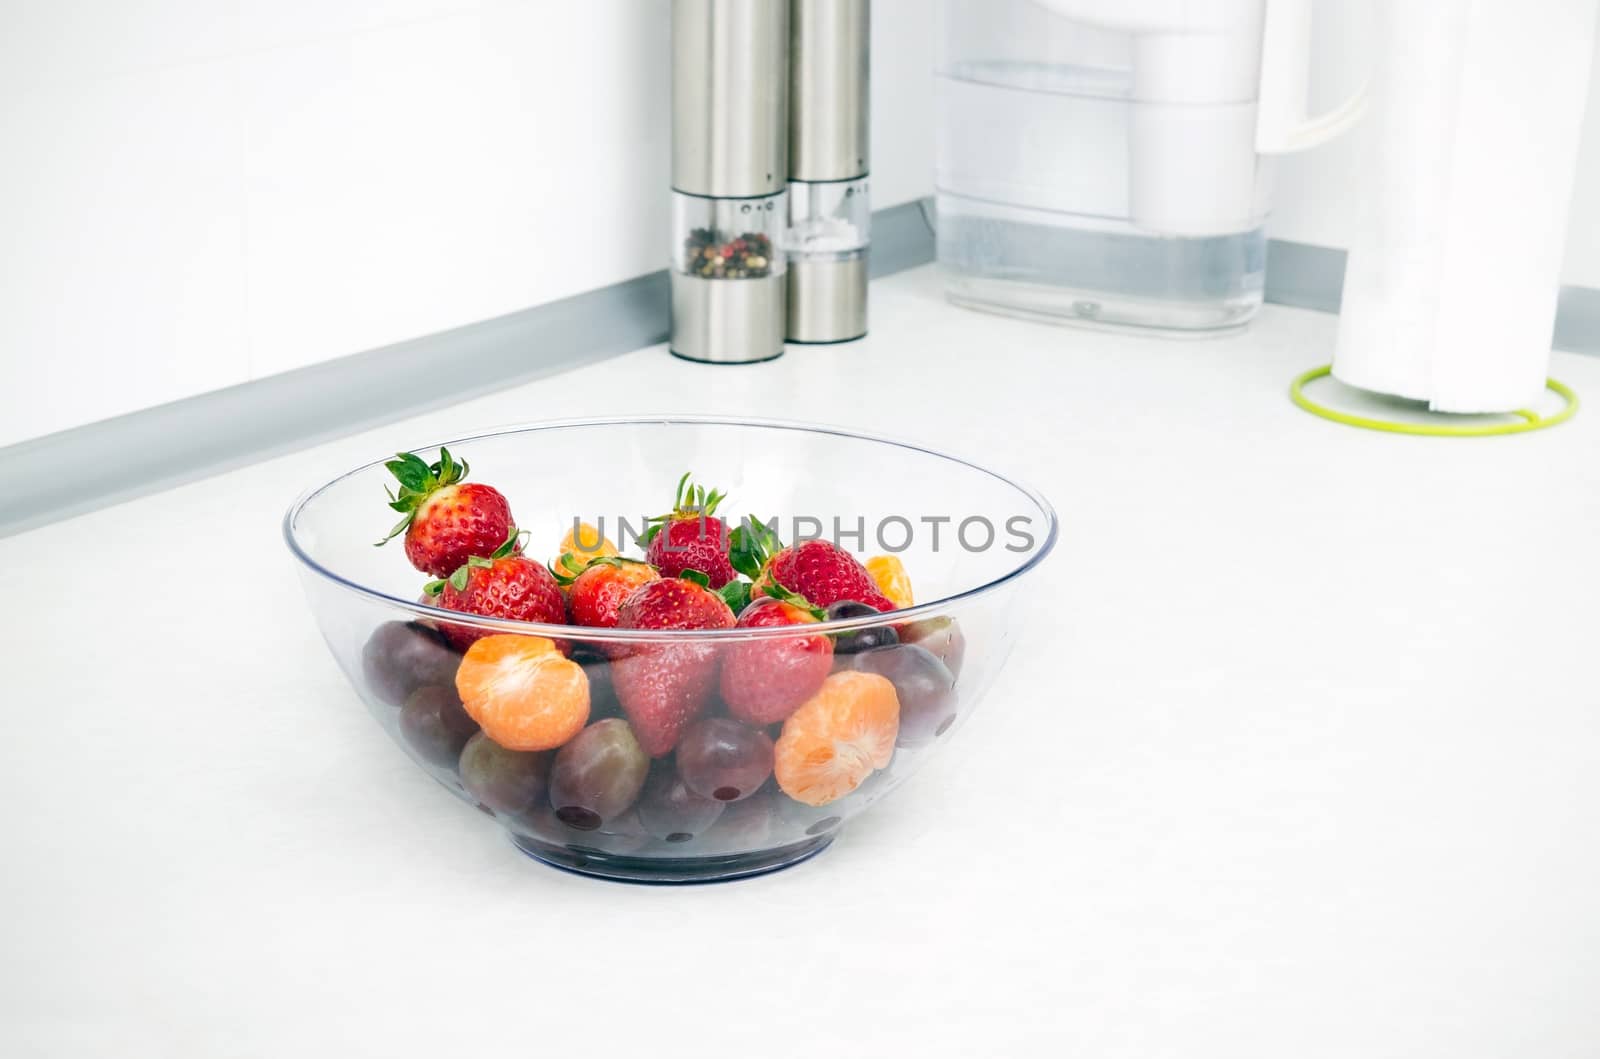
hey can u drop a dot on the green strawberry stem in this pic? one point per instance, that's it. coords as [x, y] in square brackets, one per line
[688, 501]
[418, 480]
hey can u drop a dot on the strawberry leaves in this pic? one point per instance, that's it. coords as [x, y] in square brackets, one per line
[511, 546]
[561, 567]
[736, 594]
[569, 561]
[751, 544]
[689, 501]
[693, 500]
[463, 573]
[773, 590]
[418, 480]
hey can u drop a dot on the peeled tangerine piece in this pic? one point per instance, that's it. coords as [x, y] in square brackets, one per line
[835, 740]
[523, 692]
[889, 573]
[583, 543]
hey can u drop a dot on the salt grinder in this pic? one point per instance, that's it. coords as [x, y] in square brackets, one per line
[730, 167]
[829, 212]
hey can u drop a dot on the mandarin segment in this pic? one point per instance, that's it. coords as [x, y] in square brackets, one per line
[523, 692]
[837, 738]
[889, 573]
[583, 543]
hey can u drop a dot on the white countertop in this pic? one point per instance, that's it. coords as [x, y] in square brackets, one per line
[1304, 759]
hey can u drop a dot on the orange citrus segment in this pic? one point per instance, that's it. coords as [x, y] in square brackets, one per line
[582, 543]
[523, 692]
[890, 575]
[834, 741]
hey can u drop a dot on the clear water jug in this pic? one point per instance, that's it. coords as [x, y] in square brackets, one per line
[1109, 162]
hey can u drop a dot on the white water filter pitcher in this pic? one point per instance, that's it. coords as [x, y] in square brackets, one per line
[1109, 161]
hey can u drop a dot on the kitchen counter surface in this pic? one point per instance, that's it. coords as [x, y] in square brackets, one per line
[1298, 755]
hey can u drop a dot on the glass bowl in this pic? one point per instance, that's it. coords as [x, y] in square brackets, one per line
[968, 538]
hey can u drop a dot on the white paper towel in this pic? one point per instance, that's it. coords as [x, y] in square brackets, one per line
[1468, 157]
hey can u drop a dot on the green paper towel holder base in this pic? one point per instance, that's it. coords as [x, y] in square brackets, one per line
[1527, 420]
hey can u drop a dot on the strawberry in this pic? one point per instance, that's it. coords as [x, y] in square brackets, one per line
[446, 523]
[665, 686]
[690, 536]
[818, 570]
[595, 594]
[505, 585]
[764, 681]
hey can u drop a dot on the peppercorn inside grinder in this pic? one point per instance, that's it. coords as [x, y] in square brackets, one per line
[829, 211]
[730, 88]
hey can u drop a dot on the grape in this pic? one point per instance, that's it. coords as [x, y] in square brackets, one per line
[507, 781]
[724, 759]
[744, 825]
[848, 643]
[943, 637]
[587, 654]
[402, 656]
[926, 690]
[669, 810]
[436, 726]
[624, 834]
[602, 692]
[598, 775]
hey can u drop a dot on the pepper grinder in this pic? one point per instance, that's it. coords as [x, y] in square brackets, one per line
[829, 212]
[730, 88]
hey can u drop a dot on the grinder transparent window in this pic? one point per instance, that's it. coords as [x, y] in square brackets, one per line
[828, 220]
[728, 238]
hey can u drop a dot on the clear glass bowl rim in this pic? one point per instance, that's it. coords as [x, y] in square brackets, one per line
[587, 634]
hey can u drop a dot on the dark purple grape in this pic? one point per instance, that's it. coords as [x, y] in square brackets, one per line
[724, 759]
[672, 812]
[586, 653]
[602, 693]
[942, 636]
[598, 775]
[402, 656]
[436, 727]
[507, 781]
[849, 643]
[925, 687]
[622, 835]
[744, 825]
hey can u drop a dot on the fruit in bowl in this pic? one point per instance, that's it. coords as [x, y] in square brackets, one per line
[674, 697]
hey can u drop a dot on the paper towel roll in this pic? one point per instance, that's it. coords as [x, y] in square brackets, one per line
[1468, 158]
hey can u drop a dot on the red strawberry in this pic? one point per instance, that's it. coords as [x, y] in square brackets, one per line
[502, 586]
[764, 681]
[825, 573]
[690, 536]
[594, 596]
[446, 523]
[663, 687]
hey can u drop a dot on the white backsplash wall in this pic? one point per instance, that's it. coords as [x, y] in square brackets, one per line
[194, 194]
